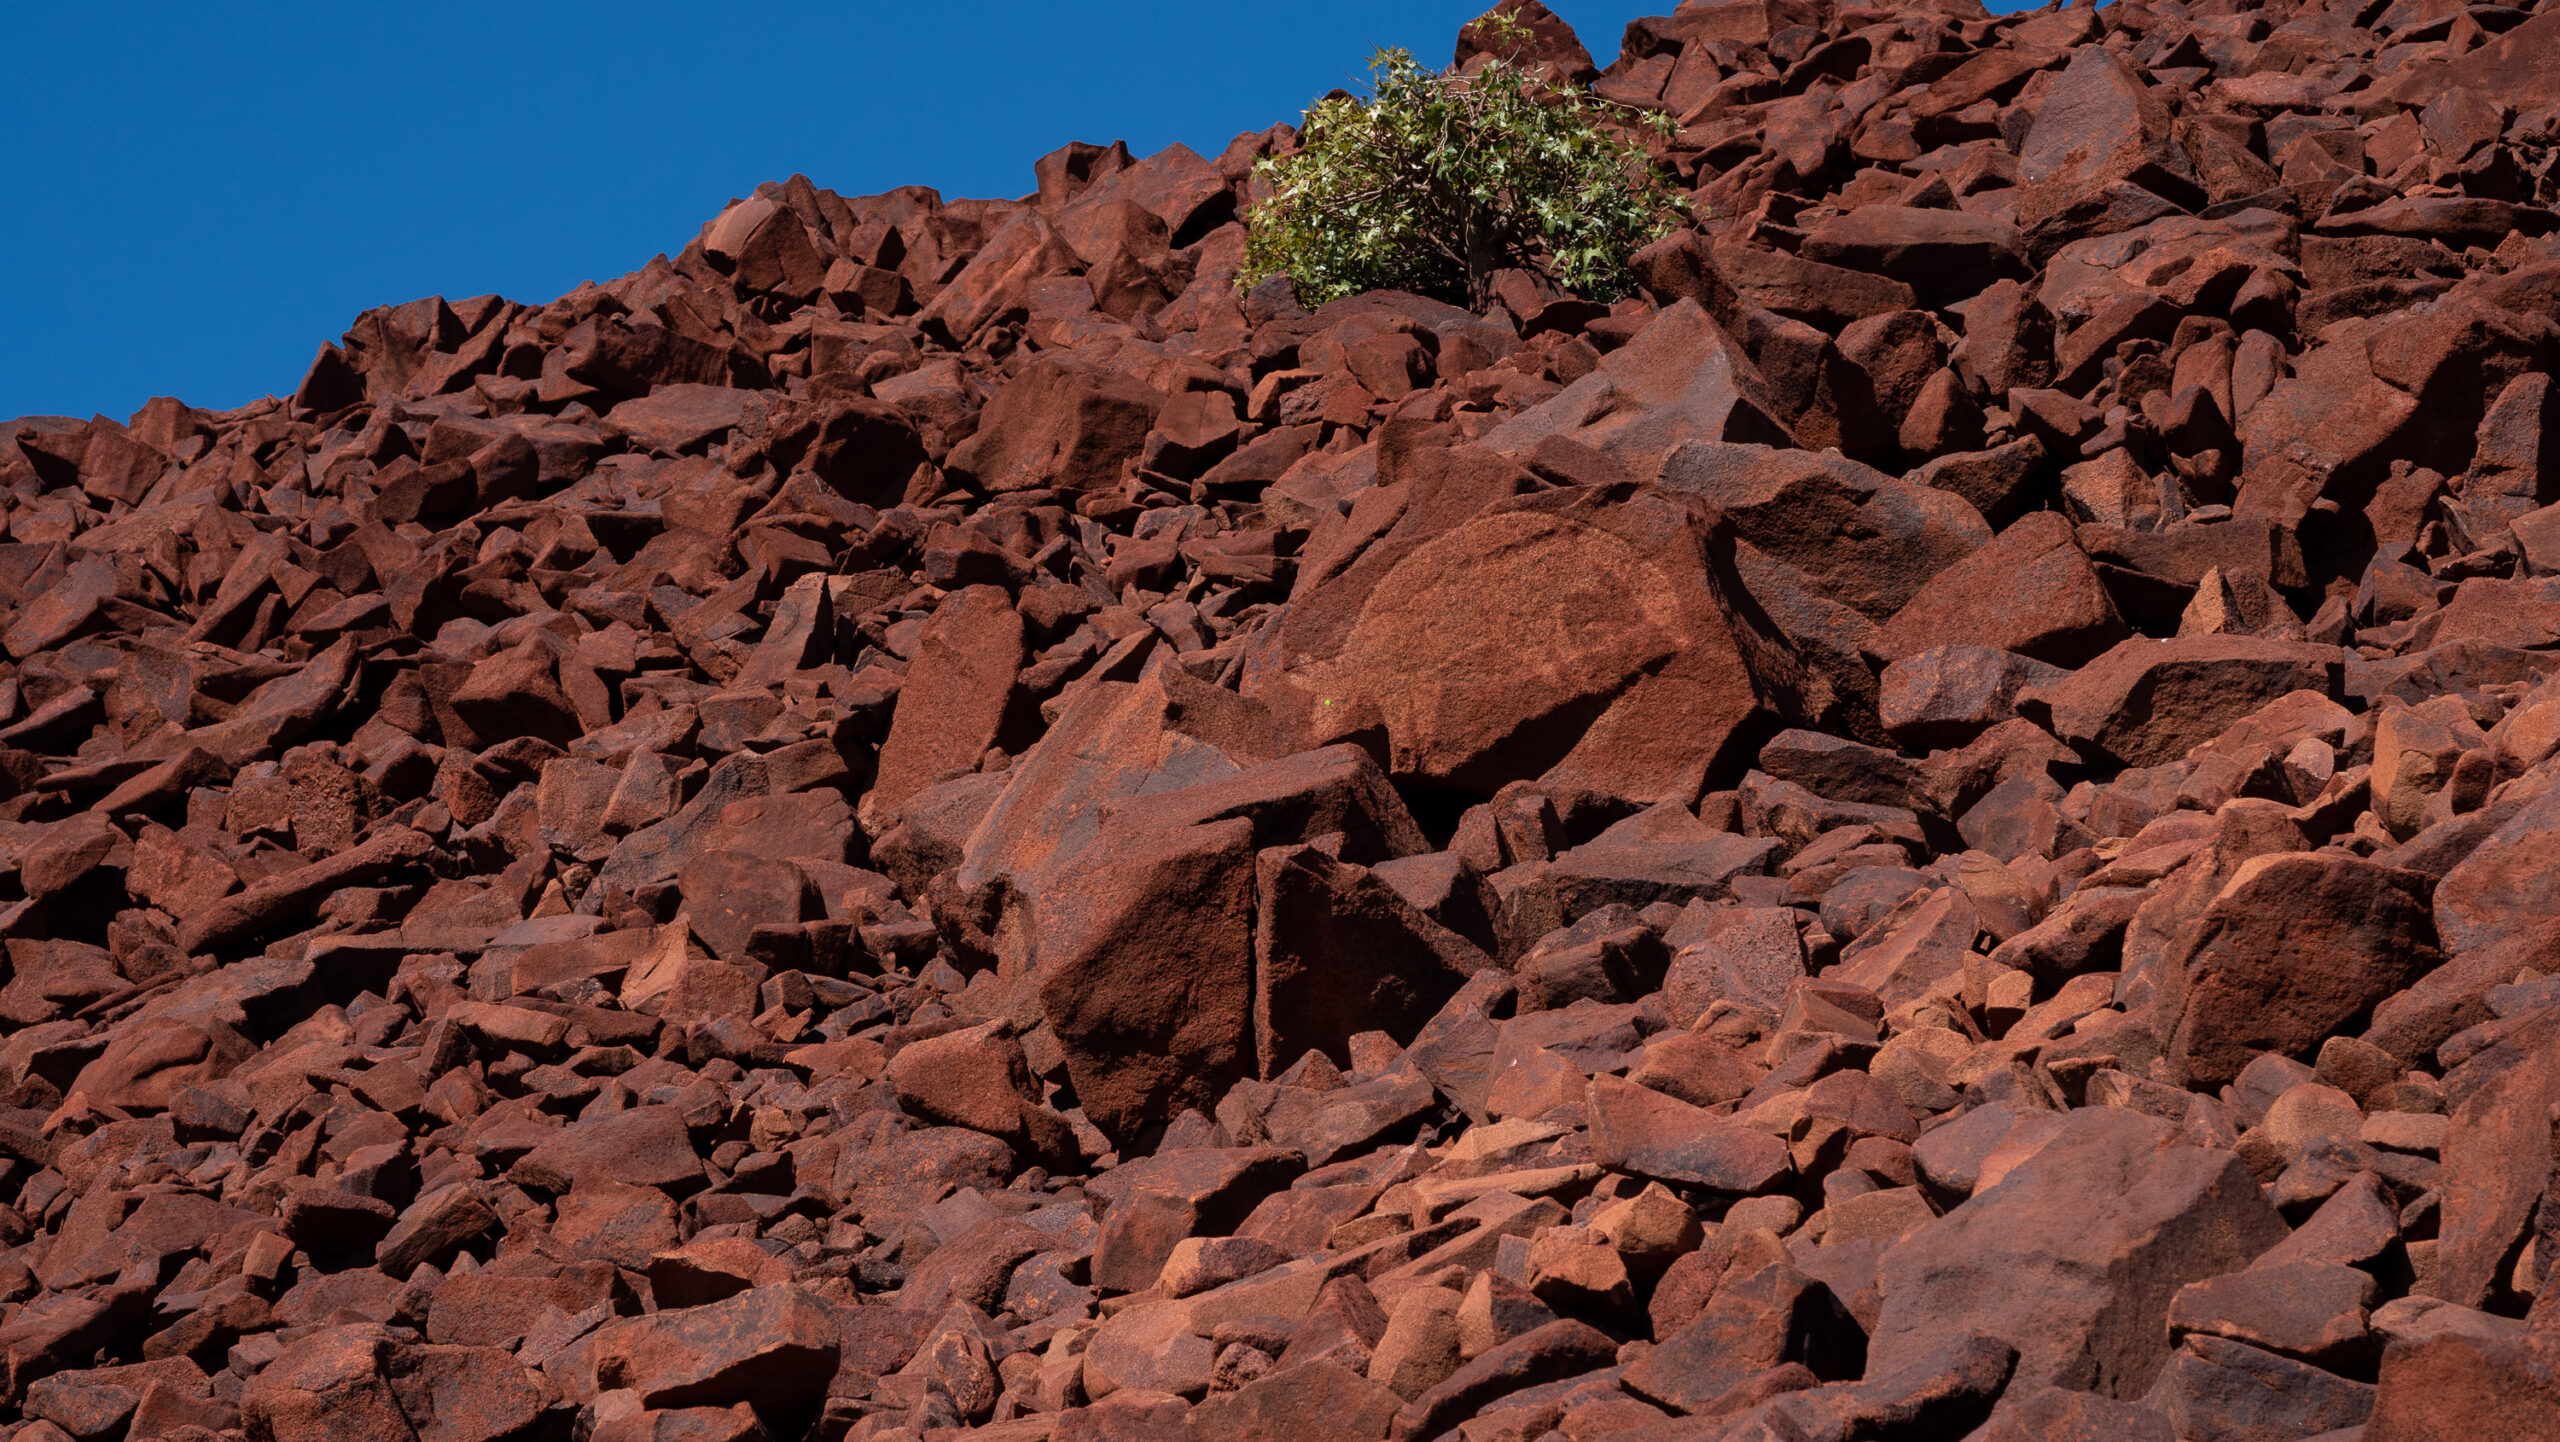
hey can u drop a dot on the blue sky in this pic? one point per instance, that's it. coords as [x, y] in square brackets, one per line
[199, 195]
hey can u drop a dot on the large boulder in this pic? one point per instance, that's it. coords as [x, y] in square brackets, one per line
[2296, 946]
[2507, 886]
[1861, 540]
[2073, 1257]
[1060, 424]
[1682, 378]
[2145, 702]
[958, 699]
[330, 1384]
[1146, 971]
[2462, 1388]
[2519, 69]
[2101, 125]
[2029, 590]
[1116, 743]
[773, 1347]
[1338, 952]
[1579, 635]
[2498, 1161]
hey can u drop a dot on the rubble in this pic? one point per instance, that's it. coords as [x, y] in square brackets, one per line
[922, 819]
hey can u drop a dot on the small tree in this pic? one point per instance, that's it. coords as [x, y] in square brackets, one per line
[1438, 179]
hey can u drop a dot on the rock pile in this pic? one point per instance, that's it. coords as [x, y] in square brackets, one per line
[921, 818]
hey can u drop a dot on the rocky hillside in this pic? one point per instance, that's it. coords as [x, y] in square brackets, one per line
[922, 818]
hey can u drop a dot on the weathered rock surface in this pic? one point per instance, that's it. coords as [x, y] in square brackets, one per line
[923, 819]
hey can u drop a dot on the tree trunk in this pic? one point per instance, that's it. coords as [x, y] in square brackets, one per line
[1484, 254]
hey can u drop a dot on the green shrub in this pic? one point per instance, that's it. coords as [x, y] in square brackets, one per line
[1434, 181]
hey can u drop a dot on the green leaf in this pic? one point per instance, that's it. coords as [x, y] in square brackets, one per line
[1382, 191]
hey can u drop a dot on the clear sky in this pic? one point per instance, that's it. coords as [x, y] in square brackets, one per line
[199, 195]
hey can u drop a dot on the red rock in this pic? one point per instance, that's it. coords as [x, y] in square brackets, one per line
[1942, 255]
[2498, 1159]
[728, 894]
[1148, 1352]
[325, 1221]
[683, 1424]
[901, 1170]
[1193, 432]
[1823, 296]
[1775, 1315]
[1146, 972]
[1657, 1136]
[1333, 789]
[1119, 740]
[645, 1146]
[2059, 1414]
[2499, 890]
[1557, 1350]
[1062, 426]
[517, 694]
[998, 279]
[1177, 1194]
[1176, 185]
[710, 1269]
[1202, 669]
[1131, 1414]
[331, 1384]
[62, 611]
[271, 904]
[976, 1078]
[1434, 656]
[2224, 1388]
[2030, 591]
[1304, 1403]
[2333, 415]
[957, 701]
[1943, 1394]
[432, 1227]
[2310, 1312]
[150, 1061]
[2291, 950]
[1682, 266]
[2145, 702]
[615, 1222]
[774, 1347]
[1693, 864]
[466, 1394]
[2084, 1299]
[2456, 1387]
[679, 418]
[974, 1266]
[763, 243]
[865, 451]
[2100, 125]
[1947, 695]
[1862, 540]
[1341, 1328]
[1313, 915]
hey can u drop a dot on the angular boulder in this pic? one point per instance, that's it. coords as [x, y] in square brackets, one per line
[2145, 702]
[2294, 948]
[1146, 972]
[773, 1347]
[1682, 378]
[1576, 635]
[2073, 1257]
[2030, 590]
